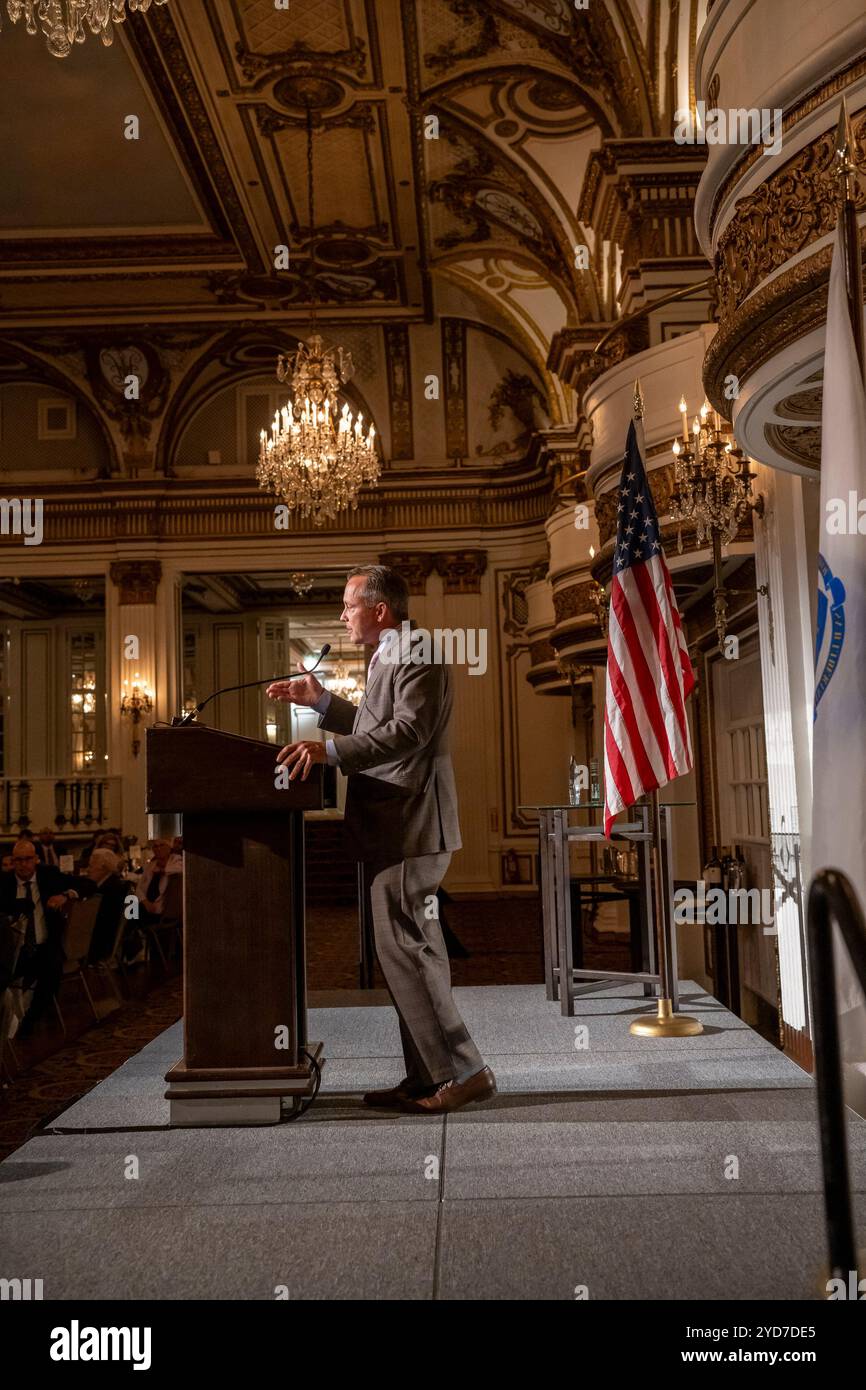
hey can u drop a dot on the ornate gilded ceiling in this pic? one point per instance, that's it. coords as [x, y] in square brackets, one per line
[451, 142]
[450, 137]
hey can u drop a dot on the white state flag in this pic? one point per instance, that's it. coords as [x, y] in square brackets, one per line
[839, 747]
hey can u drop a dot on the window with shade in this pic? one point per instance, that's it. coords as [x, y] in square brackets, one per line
[83, 700]
[273, 658]
[190, 668]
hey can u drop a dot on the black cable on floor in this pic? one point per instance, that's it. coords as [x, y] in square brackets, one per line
[305, 1105]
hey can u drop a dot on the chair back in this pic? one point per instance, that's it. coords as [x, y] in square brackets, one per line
[116, 953]
[12, 934]
[172, 903]
[78, 932]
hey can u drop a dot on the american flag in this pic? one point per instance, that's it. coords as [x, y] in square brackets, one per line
[649, 674]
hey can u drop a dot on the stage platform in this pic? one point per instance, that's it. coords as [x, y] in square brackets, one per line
[608, 1167]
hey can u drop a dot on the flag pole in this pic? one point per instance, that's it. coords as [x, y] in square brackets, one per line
[666, 1023]
[849, 232]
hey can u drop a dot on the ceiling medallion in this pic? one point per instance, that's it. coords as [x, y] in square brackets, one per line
[317, 458]
[554, 94]
[308, 93]
[65, 22]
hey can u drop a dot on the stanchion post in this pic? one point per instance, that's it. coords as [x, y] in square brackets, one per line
[667, 1023]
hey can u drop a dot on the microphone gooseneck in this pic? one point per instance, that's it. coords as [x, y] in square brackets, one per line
[192, 715]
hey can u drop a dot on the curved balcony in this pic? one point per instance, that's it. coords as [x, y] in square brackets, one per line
[545, 674]
[766, 218]
[666, 372]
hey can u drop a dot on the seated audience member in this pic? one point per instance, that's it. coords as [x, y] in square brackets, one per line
[150, 889]
[102, 839]
[8, 865]
[47, 849]
[112, 889]
[40, 893]
[113, 840]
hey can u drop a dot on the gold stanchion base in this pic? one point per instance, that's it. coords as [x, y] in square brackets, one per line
[666, 1024]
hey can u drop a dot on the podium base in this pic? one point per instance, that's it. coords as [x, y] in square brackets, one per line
[237, 1095]
[666, 1024]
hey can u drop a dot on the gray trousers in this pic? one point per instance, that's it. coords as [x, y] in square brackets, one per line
[411, 951]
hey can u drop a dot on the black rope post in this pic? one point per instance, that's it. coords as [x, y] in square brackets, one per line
[832, 900]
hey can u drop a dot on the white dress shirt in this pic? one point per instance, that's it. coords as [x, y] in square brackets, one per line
[39, 924]
[324, 700]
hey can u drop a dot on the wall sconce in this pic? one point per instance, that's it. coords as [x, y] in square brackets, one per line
[134, 705]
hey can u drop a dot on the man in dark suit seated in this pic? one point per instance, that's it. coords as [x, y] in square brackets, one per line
[40, 893]
[112, 890]
[47, 849]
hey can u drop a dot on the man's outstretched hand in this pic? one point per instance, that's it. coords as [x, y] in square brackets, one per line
[303, 690]
[300, 757]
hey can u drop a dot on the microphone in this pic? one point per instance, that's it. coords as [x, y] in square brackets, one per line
[191, 716]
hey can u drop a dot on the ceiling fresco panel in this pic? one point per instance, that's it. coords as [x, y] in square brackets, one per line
[129, 184]
[323, 25]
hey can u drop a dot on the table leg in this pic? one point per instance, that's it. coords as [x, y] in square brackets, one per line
[563, 914]
[548, 902]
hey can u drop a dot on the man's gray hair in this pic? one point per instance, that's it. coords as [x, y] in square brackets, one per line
[384, 585]
[104, 858]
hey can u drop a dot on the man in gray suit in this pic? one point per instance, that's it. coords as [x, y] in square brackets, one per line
[401, 821]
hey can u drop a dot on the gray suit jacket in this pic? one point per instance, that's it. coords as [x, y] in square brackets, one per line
[401, 800]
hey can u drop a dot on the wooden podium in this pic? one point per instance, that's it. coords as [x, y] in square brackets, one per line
[244, 970]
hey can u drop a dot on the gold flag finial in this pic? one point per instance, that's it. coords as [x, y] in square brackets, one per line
[845, 166]
[638, 400]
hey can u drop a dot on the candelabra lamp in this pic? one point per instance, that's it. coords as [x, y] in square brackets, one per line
[713, 491]
[134, 705]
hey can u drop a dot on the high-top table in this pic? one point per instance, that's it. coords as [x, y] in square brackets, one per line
[555, 834]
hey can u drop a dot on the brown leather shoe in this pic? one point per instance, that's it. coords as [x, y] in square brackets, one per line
[392, 1100]
[451, 1095]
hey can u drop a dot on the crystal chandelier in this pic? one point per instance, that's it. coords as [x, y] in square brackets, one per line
[713, 490]
[300, 583]
[344, 684]
[65, 22]
[317, 457]
[712, 480]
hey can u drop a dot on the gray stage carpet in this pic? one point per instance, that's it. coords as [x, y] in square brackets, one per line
[633, 1168]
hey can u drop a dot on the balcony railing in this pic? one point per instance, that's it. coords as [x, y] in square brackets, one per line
[64, 803]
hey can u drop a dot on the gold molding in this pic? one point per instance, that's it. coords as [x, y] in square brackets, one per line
[772, 318]
[758, 239]
[415, 566]
[148, 511]
[812, 101]
[137, 580]
[461, 570]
